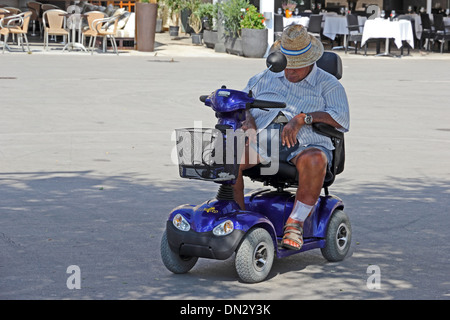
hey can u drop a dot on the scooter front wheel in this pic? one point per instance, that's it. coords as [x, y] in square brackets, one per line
[172, 260]
[255, 255]
[338, 238]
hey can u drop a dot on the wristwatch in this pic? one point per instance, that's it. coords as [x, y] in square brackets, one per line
[308, 119]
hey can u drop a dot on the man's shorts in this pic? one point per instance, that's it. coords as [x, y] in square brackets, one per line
[268, 151]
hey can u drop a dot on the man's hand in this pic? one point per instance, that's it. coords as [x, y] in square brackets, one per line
[290, 130]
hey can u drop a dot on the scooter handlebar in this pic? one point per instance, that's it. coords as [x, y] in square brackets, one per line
[260, 104]
[263, 104]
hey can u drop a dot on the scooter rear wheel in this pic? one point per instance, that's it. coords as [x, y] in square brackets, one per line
[172, 260]
[339, 237]
[255, 255]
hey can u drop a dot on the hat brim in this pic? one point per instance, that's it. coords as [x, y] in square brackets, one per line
[307, 58]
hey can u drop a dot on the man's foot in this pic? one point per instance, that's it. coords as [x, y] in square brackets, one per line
[293, 235]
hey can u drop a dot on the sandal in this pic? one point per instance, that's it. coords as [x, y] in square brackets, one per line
[294, 235]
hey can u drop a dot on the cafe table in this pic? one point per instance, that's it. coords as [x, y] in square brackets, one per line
[304, 21]
[75, 20]
[400, 30]
[337, 25]
[334, 25]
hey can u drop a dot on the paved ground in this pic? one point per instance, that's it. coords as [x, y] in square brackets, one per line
[86, 177]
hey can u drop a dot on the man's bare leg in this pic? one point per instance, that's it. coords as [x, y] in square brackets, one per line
[311, 165]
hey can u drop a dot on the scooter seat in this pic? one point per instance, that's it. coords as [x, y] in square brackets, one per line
[287, 175]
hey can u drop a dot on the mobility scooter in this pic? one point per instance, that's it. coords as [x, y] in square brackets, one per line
[218, 228]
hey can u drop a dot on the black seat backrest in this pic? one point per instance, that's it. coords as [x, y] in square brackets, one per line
[287, 174]
[438, 21]
[331, 63]
[426, 23]
[278, 22]
[352, 23]
[315, 23]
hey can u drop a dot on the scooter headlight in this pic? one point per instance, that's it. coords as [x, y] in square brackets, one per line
[181, 223]
[224, 228]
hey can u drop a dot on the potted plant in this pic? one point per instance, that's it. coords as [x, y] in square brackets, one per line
[233, 12]
[289, 7]
[208, 13]
[175, 7]
[254, 33]
[194, 21]
[196, 24]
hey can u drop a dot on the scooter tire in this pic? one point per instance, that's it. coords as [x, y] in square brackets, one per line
[338, 238]
[254, 257]
[172, 260]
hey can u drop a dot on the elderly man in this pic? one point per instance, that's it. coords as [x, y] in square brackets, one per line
[311, 95]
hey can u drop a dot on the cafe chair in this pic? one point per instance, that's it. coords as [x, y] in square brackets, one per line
[16, 25]
[427, 30]
[35, 8]
[106, 28]
[315, 25]
[47, 6]
[354, 33]
[277, 26]
[90, 31]
[13, 10]
[54, 23]
[439, 28]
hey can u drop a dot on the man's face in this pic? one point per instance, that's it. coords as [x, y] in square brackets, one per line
[297, 75]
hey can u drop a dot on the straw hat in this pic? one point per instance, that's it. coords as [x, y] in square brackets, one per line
[300, 48]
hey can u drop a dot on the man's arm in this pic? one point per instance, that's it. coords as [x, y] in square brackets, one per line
[289, 134]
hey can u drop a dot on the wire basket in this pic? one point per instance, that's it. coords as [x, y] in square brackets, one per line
[202, 155]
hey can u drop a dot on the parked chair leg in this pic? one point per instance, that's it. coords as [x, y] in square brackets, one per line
[5, 38]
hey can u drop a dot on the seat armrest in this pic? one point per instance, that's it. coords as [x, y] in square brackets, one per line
[327, 130]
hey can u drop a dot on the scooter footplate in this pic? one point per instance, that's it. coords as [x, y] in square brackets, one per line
[309, 244]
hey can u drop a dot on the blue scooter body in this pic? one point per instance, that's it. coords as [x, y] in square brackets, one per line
[266, 208]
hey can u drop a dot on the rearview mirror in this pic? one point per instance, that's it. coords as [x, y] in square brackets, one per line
[276, 62]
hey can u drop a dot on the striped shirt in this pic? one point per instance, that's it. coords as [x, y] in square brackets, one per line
[319, 91]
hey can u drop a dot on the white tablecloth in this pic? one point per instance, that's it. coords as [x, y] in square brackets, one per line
[383, 28]
[334, 25]
[304, 21]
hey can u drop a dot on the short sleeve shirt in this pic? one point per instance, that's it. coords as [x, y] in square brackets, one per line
[319, 91]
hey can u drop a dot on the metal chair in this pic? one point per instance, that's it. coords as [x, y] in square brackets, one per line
[315, 25]
[354, 33]
[106, 28]
[56, 25]
[278, 26]
[90, 31]
[439, 28]
[15, 24]
[427, 30]
[35, 8]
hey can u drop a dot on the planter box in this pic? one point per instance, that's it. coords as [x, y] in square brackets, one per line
[234, 46]
[254, 42]
[174, 31]
[210, 38]
[197, 38]
[145, 26]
